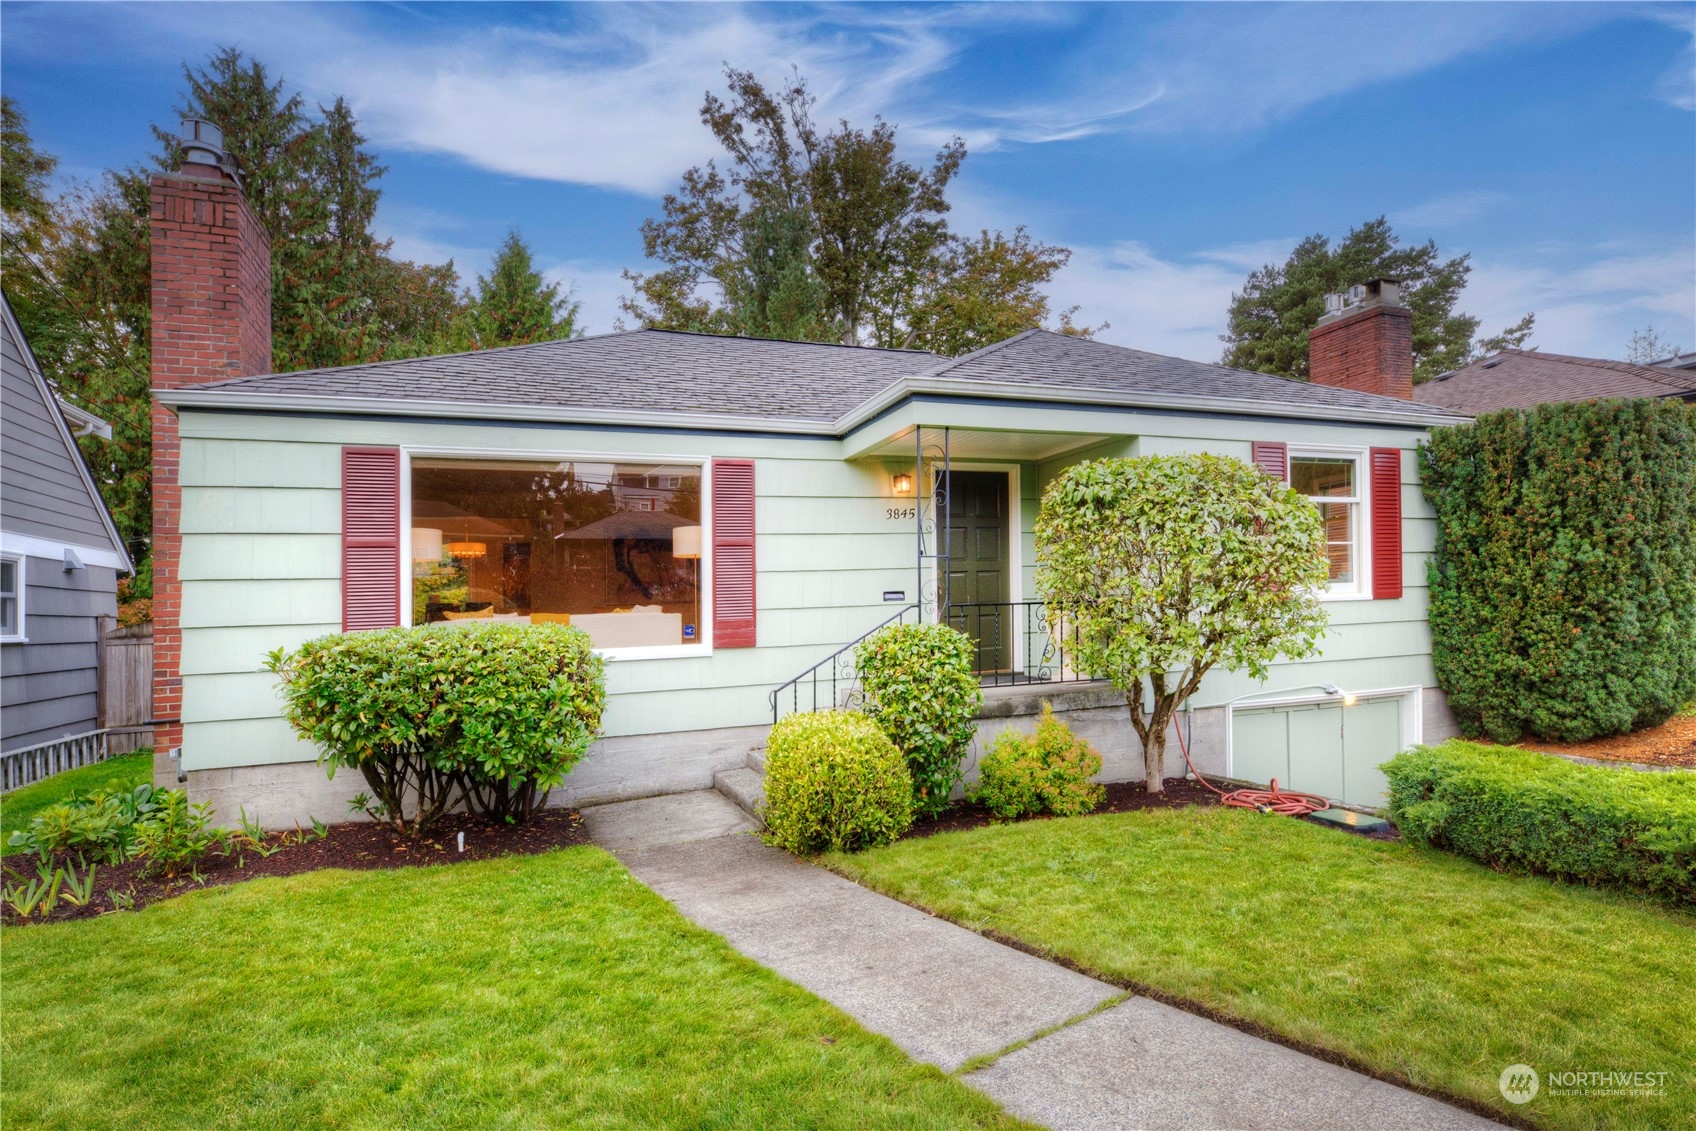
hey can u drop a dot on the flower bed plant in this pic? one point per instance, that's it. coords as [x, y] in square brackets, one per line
[487, 716]
[834, 781]
[921, 691]
[1539, 813]
[1047, 772]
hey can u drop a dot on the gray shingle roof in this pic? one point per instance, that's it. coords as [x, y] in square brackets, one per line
[803, 383]
[1042, 357]
[642, 371]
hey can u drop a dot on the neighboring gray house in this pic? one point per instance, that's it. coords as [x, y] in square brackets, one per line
[60, 557]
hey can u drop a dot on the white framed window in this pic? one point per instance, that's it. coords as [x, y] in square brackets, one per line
[1335, 480]
[11, 597]
[580, 540]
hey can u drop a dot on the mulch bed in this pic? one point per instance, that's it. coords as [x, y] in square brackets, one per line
[360, 845]
[1122, 797]
[1673, 743]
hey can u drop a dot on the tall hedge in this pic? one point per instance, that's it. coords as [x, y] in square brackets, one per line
[1563, 589]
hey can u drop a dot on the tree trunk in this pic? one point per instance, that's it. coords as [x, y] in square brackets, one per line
[1154, 759]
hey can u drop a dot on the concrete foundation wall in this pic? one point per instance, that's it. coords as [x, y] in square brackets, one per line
[1097, 713]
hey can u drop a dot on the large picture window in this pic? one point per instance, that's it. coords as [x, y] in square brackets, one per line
[614, 548]
[1333, 483]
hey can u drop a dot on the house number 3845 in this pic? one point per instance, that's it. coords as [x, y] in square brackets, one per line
[901, 512]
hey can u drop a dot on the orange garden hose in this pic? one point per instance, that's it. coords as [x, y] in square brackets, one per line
[1272, 800]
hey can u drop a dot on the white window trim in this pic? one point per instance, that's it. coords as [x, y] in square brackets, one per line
[702, 648]
[20, 579]
[1361, 588]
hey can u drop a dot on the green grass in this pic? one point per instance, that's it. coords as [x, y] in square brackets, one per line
[17, 808]
[1416, 963]
[553, 990]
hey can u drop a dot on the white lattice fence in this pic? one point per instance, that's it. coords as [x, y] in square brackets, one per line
[43, 760]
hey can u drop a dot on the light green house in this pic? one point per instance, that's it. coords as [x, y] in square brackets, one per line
[723, 516]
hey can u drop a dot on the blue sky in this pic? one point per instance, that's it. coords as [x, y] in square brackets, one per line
[1173, 147]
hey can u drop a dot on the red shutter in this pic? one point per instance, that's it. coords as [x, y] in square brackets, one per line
[1386, 523]
[1272, 456]
[733, 553]
[370, 538]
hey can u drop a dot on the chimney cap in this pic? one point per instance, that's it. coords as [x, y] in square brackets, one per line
[203, 144]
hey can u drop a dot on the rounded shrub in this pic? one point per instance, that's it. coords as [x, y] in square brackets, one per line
[920, 689]
[490, 716]
[1048, 772]
[834, 781]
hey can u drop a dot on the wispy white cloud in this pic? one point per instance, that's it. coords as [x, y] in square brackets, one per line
[1449, 210]
[1171, 305]
[1677, 84]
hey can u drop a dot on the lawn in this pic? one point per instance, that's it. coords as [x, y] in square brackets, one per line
[1423, 966]
[550, 990]
[126, 771]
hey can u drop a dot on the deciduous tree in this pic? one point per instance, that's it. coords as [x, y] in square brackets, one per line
[1162, 568]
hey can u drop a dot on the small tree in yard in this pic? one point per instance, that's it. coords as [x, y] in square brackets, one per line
[1164, 567]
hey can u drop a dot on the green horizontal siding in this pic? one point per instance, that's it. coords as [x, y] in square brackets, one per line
[261, 559]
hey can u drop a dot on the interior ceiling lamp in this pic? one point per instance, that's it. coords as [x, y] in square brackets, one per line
[686, 542]
[466, 548]
[903, 483]
[426, 544]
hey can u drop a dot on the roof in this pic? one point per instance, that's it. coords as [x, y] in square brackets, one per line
[1676, 361]
[1522, 378]
[664, 378]
[640, 370]
[48, 498]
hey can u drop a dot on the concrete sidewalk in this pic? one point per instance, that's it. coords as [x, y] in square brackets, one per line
[947, 995]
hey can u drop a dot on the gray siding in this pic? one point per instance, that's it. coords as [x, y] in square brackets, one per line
[49, 686]
[43, 490]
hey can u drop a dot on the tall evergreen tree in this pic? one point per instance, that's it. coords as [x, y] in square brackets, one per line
[1270, 318]
[514, 306]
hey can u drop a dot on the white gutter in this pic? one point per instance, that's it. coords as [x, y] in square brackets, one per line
[212, 398]
[191, 397]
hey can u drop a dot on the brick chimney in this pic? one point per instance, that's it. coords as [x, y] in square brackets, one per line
[1364, 342]
[211, 268]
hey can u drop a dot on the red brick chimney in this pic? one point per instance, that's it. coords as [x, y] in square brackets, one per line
[1364, 341]
[211, 263]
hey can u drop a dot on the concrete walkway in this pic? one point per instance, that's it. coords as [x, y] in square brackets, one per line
[948, 996]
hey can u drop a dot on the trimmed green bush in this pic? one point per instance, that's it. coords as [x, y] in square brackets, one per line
[921, 690]
[1535, 812]
[1046, 772]
[1563, 590]
[491, 716]
[834, 781]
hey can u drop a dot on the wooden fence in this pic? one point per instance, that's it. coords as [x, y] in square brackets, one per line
[126, 685]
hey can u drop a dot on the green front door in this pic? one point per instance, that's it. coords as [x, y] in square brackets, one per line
[978, 585]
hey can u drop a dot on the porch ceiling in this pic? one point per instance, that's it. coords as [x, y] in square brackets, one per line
[988, 444]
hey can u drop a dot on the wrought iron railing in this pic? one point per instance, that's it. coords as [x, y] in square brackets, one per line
[1017, 642]
[833, 682]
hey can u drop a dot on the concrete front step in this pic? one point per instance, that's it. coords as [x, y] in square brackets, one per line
[757, 759]
[746, 787]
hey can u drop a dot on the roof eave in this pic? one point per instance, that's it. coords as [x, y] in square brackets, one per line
[208, 398]
[910, 386]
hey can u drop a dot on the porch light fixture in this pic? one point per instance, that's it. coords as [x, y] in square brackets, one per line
[1348, 697]
[903, 483]
[426, 544]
